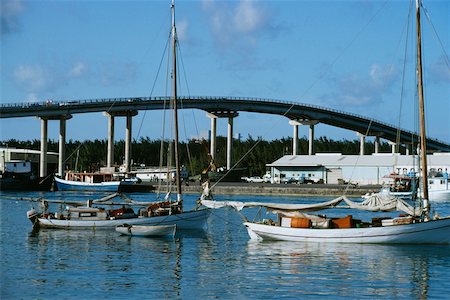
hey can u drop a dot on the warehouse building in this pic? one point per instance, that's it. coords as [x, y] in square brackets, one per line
[334, 168]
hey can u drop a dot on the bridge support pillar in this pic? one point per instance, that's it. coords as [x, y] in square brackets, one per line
[393, 147]
[44, 141]
[311, 138]
[110, 153]
[213, 135]
[295, 125]
[62, 147]
[229, 142]
[128, 135]
[362, 141]
[214, 116]
[377, 144]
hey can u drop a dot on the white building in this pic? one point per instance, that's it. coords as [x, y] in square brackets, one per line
[332, 168]
[20, 159]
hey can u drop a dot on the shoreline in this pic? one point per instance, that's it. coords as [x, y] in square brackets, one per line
[267, 189]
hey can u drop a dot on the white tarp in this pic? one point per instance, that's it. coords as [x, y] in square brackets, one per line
[374, 203]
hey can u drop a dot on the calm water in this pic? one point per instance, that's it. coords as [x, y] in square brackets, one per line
[217, 263]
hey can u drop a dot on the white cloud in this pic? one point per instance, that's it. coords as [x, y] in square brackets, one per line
[248, 17]
[32, 78]
[45, 79]
[237, 25]
[363, 91]
[78, 70]
[9, 13]
[182, 30]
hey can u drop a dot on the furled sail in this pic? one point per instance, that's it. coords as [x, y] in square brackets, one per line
[374, 203]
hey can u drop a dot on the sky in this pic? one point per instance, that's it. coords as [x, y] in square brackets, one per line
[353, 56]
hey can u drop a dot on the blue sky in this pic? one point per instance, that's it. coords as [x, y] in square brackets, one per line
[344, 55]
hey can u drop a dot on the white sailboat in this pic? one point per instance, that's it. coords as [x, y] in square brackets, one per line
[150, 213]
[294, 222]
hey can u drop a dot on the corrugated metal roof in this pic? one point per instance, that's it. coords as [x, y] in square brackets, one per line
[339, 160]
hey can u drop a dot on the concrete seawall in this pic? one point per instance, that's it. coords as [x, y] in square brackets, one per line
[283, 189]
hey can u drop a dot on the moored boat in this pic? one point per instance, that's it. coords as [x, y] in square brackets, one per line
[147, 230]
[104, 214]
[439, 188]
[88, 182]
[416, 224]
[18, 175]
[165, 212]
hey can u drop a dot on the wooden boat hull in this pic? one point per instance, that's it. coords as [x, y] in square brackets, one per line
[432, 232]
[69, 185]
[147, 230]
[195, 219]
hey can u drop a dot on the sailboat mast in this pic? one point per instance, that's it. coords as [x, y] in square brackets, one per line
[423, 145]
[175, 108]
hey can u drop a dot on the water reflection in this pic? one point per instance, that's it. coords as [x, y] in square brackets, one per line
[218, 262]
[102, 261]
[371, 269]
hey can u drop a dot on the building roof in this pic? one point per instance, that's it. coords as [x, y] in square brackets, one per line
[27, 151]
[374, 160]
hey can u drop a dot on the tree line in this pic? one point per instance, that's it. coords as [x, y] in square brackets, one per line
[251, 154]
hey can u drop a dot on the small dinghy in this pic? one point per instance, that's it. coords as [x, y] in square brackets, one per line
[147, 230]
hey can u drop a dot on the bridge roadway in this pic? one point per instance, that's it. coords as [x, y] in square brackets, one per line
[222, 106]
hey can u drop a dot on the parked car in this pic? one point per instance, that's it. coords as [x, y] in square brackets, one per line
[256, 179]
[291, 180]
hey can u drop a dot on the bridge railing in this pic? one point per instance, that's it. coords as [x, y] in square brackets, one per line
[65, 103]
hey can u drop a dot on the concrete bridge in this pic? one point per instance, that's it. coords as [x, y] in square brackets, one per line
[216, 107]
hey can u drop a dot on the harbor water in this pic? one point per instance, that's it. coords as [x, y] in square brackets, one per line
[219, 262]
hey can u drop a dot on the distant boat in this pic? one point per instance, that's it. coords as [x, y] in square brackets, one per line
[98, 182]
[148, 231]
[439, 188]
[87, 182]
[403, 186]
[407, 187]
[416, 225]
[17, 175]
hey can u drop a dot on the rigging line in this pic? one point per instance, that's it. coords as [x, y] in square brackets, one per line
[227, 221]
[446, 58]
[313, 84]
[322, 75]
[253, 147]
[163, 133]
[154, 84]
[357, 160]
[187, 87]
[397, 138]
[182, 109]
[237, 163]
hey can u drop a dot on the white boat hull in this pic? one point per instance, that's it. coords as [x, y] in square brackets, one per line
[432, 232]
[147, 230]
[195, 219]
[69, 185]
